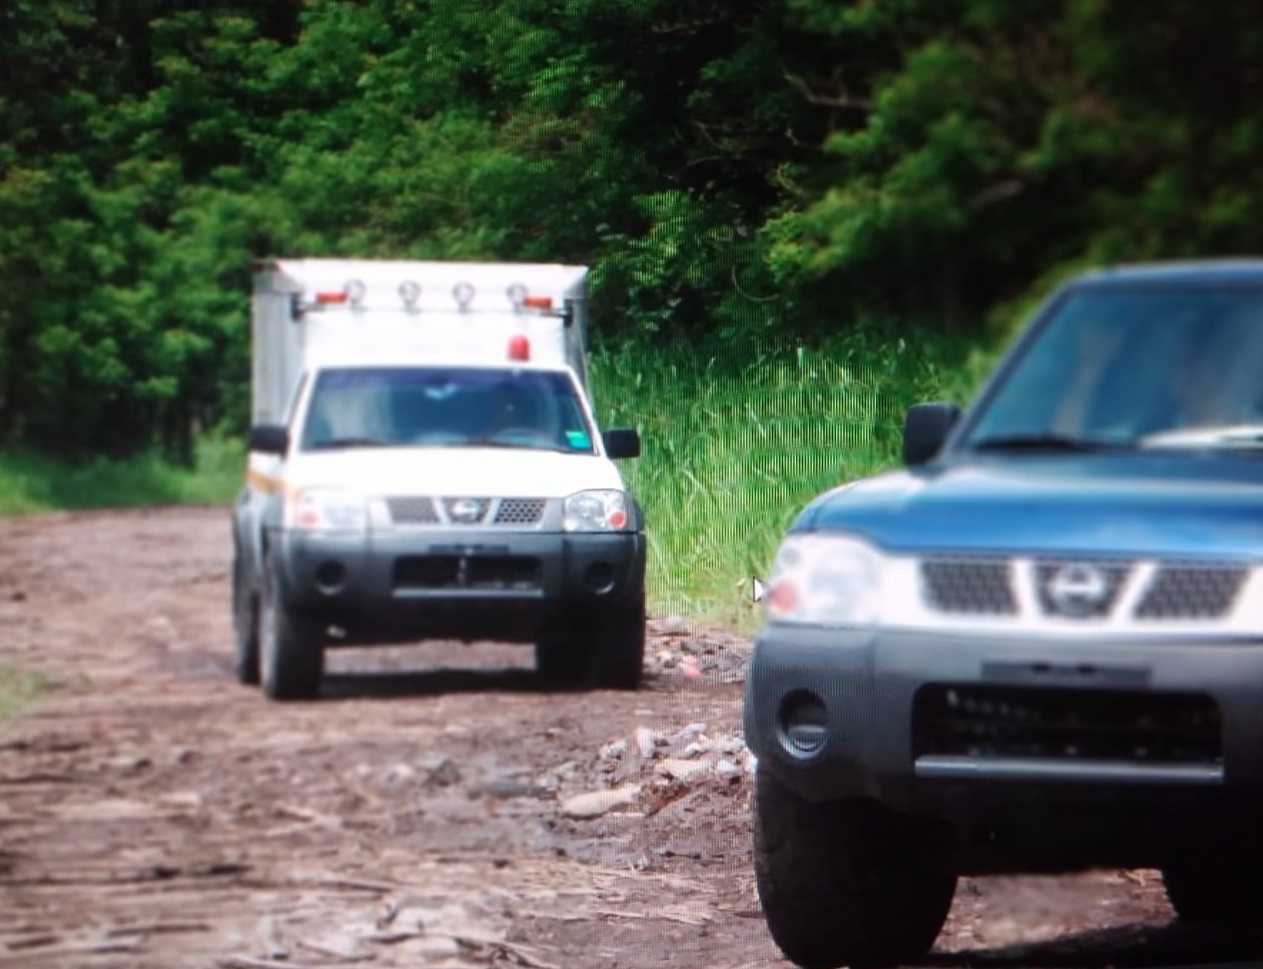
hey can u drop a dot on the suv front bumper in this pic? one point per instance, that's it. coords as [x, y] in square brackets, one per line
[1108, 726]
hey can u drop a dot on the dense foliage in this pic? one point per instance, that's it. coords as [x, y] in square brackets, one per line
[733, 169]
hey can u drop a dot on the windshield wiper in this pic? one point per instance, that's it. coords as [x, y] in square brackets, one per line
[1049, 441]
[338, 443]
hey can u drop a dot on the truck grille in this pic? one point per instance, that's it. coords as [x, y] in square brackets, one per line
[1080, 588]
[474, 572]
[466, 511]
[1066, 724]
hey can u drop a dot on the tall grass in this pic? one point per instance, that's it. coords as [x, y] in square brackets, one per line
[736, 442]
[32, 483]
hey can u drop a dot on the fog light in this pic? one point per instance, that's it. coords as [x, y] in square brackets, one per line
[599, 577]
[803, 723]
[330, 577]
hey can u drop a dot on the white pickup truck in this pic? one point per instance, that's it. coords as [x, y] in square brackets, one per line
[425, 463]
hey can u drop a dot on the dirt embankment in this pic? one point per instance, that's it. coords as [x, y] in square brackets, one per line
[435, 808]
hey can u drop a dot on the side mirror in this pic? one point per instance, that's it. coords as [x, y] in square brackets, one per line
[269, 439]
[925, 428]
[622, 442]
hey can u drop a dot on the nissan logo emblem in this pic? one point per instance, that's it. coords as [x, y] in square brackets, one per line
[466, 509]
[1078, 589]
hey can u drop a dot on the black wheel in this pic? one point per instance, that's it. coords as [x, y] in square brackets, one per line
[1214, 889]
[292, 647]
[848, 883]
[245, 622]
[599, 649]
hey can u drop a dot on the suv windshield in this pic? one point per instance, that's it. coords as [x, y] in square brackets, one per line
[1135, 366]
[445, 407]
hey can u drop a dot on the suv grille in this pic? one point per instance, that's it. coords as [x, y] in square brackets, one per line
[1066, 724]
[1065, 588]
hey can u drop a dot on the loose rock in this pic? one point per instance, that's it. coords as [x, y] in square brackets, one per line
[593, 804]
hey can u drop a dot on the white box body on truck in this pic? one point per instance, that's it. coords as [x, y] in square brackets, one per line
[425, 463]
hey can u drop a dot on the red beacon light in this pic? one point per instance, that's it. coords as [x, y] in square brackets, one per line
[519, 347]
[538, 302]
[323, 298]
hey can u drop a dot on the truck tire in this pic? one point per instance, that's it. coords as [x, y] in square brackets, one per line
[848, 883]
[1224, 892]
[245, 622]
[291, 646]
[602, 649]
[620, 648]
[563, 654]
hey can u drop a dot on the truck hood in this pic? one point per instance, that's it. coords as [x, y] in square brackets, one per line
[482, 472]
[1080, 504]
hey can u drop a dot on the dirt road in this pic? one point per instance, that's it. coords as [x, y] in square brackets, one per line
[428, 811]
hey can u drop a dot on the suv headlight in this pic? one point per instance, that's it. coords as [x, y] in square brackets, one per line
[596, 511]
[826, 580]
[326, 510]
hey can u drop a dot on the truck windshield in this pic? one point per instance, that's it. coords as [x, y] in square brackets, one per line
[445, 407]
[1135, 366]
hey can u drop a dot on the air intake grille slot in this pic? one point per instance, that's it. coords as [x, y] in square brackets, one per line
[412, 511]
[969, 586]
[520, 511]
[1192, 592]
[1066, 724]
[502, 573]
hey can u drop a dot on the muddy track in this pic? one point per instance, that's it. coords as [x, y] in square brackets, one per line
[429, 810]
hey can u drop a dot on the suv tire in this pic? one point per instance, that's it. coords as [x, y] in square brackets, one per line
[1226, 892]
[848, 883]
[291, 646]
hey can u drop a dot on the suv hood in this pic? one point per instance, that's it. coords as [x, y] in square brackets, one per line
[482, 472]
[1080, 504]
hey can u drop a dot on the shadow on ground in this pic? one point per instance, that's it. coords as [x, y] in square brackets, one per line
[439, 682]
[1134, 947]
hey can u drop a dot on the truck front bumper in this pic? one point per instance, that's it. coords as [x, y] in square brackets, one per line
[467, 584]
[1104, 744]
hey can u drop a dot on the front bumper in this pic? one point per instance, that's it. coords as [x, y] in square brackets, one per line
[464, 583]
[1109, 726]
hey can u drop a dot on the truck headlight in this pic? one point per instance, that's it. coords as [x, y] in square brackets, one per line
[596, 511]
[326, 510]
[826, 580]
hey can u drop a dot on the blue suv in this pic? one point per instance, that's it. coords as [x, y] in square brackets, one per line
[1037, 648]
